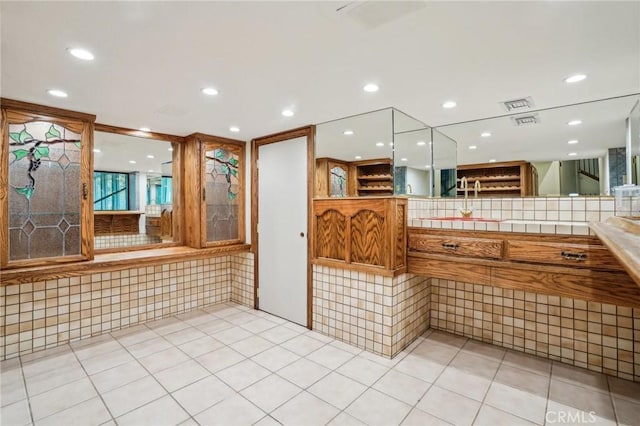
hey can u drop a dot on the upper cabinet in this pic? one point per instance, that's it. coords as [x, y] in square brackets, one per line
[45, 185]
[214, 170]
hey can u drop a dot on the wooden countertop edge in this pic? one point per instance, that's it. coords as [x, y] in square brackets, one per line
[114, 261]
[622, 238]
[116, 212]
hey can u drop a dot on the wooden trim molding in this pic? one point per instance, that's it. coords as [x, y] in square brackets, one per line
[138, 133]
[45, 112]
[622, 237]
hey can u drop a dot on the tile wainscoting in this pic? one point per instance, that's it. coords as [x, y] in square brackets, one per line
[46, 314]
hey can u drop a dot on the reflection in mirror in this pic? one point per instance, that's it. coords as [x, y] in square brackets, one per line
[634, 134]
[444, 165]
[133, 191]
[413, 162]
[577, 149]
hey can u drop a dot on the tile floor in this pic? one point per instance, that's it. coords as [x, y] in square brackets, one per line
[230, 365]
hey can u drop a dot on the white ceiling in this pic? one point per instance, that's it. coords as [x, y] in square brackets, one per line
[152, 59]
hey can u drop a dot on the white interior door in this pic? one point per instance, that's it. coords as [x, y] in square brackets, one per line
[282, 229]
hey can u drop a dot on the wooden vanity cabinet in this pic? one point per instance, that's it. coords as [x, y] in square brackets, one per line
[455, 245]
[583, 255]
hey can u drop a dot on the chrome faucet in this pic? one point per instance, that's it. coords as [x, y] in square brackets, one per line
[409, 189]
[464, 184]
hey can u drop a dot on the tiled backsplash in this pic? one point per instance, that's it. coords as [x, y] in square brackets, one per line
[596, 336]
[124, 240]
[48, 313]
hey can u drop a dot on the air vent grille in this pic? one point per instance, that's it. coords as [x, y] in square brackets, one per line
[518, 104]
[525, 120]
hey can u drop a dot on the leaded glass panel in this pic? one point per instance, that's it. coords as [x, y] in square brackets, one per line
[338, 182]
[222, 187]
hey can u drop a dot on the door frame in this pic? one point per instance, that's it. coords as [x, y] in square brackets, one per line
[309, 132]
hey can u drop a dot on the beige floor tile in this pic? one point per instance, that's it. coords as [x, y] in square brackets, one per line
[195, 317]
[200, 346]
[489, 416]
[168, 326]
[446, 339]
[181, 375]
[302, 345]
[132, 395]
[428, 350]
[558, 413]
[270, 392]
[624, 389]
[163, 411]
[475, 365]
[304, 409]
[419, 418]
[184, 336]
[528, 362]
[98, 347]
[449, 406]
[234, 410]
[279, 334]
[118, 376]
[303, 372]
[337, 390]
[106, 361]
[53, 379]
[240, 318]
[584, 399]
[220, 359]
[343, 419]
[231, 335]
[258, 325]
[243, 374]
[61, 398]
[386, 362]
[627, 412]
[203, 394]
[12, 389]
[90, 412]
[214, 326]
[251, 346]
[163, 359]
[484, 349]
[267, 421]
[580, 377]
[523, 380]
[319, 336]
[149, 347]
[134, 335]
[402, 386]
[376, 408]
[52, 362]
[518, 402]
[275, 358]
[346, 347]
[361, 369]
[330, 356]
[423, 369]
[464, 383]
[16, 414]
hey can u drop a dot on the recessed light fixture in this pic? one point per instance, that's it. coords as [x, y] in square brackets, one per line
[572, 141]
[210, 91]
[574, 122]
[473, 147]
[150, 156]
[575, 78]
[347, 132]
[234, 129]
[428, 166]
[493, 160]
[371, 87]
[57, 93]
[83, 54]
[287, 113]
[358, 157]
[390, 143]
[96, 150]
[132, 161]
[150, 170]
[485, 134]
[449, 105]
[403, 159]
[421, 143]
[379, 143]
[144, 129]
[170, 149]
[572, 154]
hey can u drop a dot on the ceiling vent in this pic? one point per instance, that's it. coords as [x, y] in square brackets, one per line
[373, 14]
[525, 120]
[518, 104]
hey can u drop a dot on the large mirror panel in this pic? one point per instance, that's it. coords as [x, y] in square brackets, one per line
[634, 145]
[133, 191]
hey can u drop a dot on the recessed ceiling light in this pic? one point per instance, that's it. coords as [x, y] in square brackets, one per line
[144, 129]
[473, 147]
[287, 113]
[234, 129]
[371, 87]
[57, 93]
[150, 170]
[85, 55]
[210, 91]
[358, 157]
[132, 161]
[572, 154]
[379, 143]
[96, 150]
[572, 141]
[348, 132]
[170, 149]
[493, 160]
[390, 143]
[485, 134]
[150, 156]
[421, 143]
[574, 122]
[428, 166]
[449, 105]
[403, 159]
[575, 78]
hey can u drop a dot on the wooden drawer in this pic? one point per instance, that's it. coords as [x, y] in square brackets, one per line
[580, 255]
[458, 246]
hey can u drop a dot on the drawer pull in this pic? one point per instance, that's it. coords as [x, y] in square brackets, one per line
[579, 257]
[449, 246]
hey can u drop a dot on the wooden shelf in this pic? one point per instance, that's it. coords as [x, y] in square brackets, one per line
[493, 178]
[374, 177]
[375, 188]
[521, 176]
[518, 189]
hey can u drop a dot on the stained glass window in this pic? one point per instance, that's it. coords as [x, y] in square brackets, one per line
[222, 194]
[338, 182]
[44, 191]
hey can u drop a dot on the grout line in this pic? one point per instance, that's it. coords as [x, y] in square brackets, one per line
[26, 391]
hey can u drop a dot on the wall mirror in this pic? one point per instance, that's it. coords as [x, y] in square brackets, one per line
[572, 150]
[634, 144]
[133, 191]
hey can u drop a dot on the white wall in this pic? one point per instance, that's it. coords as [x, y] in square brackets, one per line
[548, 177]
[419, 181]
